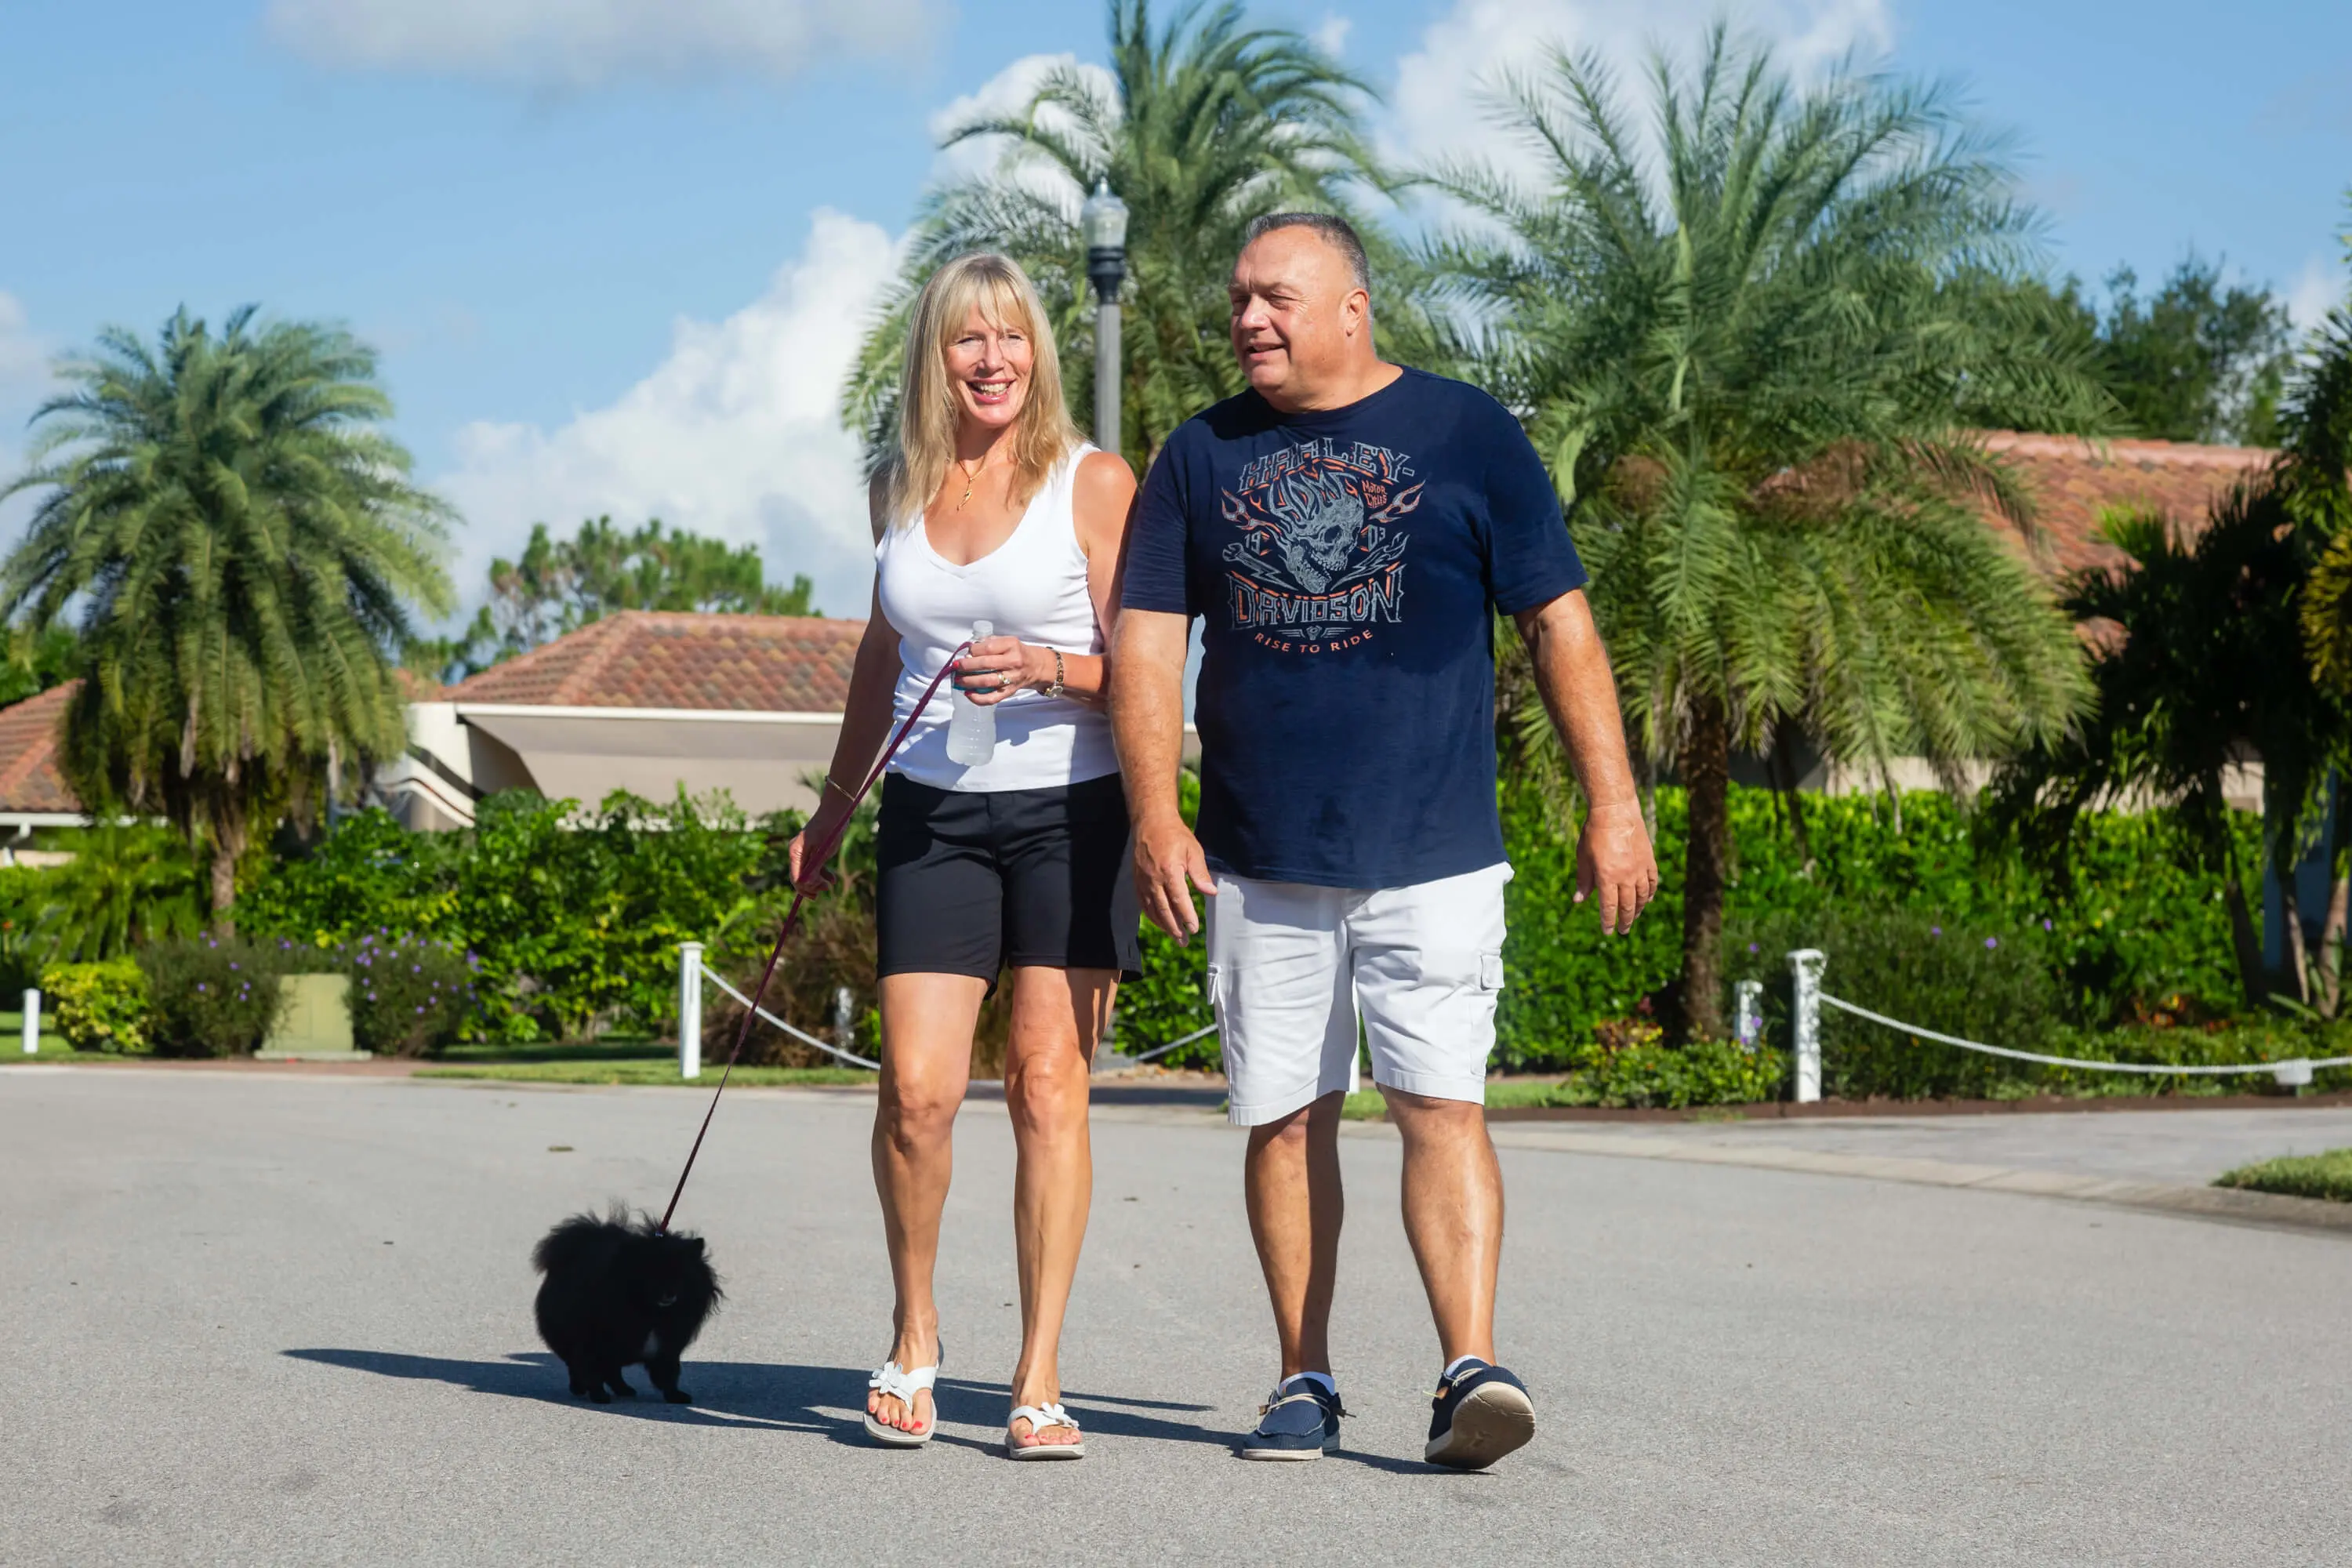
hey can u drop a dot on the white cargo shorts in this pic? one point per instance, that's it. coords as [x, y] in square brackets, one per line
[1291, 964]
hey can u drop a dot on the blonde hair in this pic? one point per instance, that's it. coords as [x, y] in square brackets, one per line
[1041, 433]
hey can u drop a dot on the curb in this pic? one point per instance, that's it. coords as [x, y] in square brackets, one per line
[2226, 1204]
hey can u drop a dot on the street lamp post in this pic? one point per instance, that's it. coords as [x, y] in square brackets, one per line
[1103, 221]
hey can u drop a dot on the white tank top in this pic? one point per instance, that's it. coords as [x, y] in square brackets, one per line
[1033, 586]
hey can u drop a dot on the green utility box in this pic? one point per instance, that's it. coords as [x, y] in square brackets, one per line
[316, 1025]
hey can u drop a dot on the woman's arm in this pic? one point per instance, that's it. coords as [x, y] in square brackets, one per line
[1102, 496]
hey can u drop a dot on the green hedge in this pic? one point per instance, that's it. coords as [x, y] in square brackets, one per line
[572, 919]
[2138, 930]
[575, 928]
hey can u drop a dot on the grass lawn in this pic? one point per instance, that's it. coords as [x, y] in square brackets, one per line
[609, 1048]
[2327, 1176]
[1366, 1103]
[660, 1071]
[11, 1041]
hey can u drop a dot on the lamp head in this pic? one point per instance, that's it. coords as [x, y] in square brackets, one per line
[1102, 220]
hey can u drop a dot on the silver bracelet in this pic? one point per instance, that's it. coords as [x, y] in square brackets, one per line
[1055, 689]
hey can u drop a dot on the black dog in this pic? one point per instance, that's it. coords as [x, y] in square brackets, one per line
[618, 1293]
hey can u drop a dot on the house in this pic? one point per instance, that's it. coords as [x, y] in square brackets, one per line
[641, 700]
[33, 792]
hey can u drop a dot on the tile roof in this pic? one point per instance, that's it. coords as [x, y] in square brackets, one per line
[2073, 482]
[646, 658]
[29, 779]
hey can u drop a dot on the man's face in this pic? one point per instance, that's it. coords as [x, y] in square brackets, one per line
[1296, 310]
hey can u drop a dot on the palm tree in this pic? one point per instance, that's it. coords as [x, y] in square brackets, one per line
[243, 546]
[127, 884]
[1202, 125]
[1746, 352]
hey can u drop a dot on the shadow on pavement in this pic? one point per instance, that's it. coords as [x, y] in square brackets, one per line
[756, 1393]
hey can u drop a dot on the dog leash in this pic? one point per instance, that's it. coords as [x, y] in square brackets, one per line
[815, 856]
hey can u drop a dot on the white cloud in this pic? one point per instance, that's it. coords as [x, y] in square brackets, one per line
[1331, 37]
[2318, 289]
[736, 435]
[24, 382]
[1008, 94]
[584, 43]
[1438, 110]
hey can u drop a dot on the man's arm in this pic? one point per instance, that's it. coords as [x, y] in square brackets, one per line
[1147, 720]
[1571, 669]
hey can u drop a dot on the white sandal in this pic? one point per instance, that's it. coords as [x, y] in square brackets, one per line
[1039, 1417]
[898, 1383]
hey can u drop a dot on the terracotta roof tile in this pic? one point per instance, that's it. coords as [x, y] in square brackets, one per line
[643, 658]
[2074, 482]
[29, 779]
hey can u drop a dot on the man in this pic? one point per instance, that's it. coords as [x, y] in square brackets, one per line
[1347, 529]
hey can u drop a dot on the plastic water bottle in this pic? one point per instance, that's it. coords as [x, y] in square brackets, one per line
[972, 726]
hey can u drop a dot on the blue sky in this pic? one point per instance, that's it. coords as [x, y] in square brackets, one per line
[615, 250]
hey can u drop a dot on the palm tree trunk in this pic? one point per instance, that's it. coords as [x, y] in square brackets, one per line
[223, 878]
[1784, 753]
[2331, 945]
[2243, 936]
[228, 836]
[1705, 769]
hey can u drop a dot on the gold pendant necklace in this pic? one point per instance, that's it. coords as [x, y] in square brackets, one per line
[971, 478]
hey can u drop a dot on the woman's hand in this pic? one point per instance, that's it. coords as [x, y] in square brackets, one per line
[809, 875]
[996, 668]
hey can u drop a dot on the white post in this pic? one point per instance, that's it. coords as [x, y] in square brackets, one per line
[1750, 1020]
[1806, 965]
[689, 1009]
[32, 1021]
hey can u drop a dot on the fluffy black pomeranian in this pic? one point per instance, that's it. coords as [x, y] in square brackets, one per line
[619, 1293]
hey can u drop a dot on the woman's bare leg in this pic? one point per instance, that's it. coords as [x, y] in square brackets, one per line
[1057, 1017]
[927, 1026]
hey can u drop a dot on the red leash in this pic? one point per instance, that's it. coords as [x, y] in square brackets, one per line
[816, 856]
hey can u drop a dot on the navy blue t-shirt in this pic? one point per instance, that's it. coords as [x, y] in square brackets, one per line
[1348, 564]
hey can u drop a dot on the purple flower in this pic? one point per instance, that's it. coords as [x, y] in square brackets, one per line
[1991, 942]
[2045, 924]
[1935, 930]
[1751, 947]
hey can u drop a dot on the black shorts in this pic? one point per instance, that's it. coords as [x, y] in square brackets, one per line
[970, 882]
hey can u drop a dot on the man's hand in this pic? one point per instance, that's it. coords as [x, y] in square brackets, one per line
[1613, 861]
[1167, 866]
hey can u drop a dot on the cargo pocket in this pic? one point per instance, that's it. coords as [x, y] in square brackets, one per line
[1215, 986]
[1490, 972]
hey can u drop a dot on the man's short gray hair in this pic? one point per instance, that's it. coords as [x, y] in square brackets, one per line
[1335, 231]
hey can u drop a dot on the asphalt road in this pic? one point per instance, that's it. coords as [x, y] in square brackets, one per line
[262, 1319]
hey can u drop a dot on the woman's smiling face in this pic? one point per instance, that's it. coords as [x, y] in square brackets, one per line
[988, 366]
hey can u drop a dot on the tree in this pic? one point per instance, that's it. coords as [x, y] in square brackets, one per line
[37, 659]
[127, 884]
[243, 547]
[2198, 361]
[560, 586]
[1202, 125]
[1745, 363]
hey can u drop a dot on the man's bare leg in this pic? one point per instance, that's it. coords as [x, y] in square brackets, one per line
[1452, 1216]
[1291, 1180]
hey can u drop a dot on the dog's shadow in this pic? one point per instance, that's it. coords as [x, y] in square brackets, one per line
[825, 1400]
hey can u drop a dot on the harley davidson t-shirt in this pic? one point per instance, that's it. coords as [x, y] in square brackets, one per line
[1347, 563]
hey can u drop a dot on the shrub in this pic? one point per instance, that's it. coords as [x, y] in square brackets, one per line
[410, 995]
[99, 1006]
[1171, 999]
[1994, 985]
[212, 997]
[1643, 1071]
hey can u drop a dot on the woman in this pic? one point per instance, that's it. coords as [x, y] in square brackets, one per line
[995, 509]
